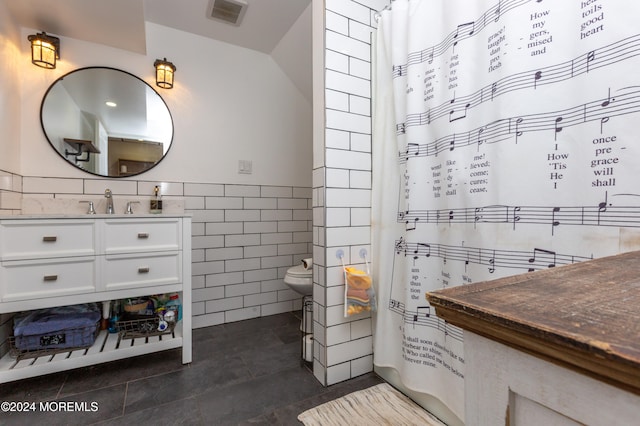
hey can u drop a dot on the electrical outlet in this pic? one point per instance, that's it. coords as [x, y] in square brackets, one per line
[245, 167]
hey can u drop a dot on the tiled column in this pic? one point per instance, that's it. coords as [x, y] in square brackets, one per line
[342, 188]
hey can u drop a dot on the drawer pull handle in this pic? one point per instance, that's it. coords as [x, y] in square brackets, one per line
[50, 277]
[143, 235]
[48, 239]
[143, 270]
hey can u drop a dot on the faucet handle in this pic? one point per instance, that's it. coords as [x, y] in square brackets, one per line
[129, 209]
[91, 210]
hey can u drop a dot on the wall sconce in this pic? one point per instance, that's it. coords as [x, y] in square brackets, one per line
[45, 49]
[164, 73]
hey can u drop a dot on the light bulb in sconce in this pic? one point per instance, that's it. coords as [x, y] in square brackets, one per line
[45, 50]
[164, 73]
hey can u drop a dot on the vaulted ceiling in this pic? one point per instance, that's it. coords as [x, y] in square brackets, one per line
[121, 24]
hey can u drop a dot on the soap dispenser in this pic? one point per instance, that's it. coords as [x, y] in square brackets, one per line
[155, 205]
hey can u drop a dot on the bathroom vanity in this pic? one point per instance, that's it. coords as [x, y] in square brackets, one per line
[559, 346]
[49, 261]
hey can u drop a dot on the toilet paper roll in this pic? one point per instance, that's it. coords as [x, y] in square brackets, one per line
[308, 348]
[307, 263]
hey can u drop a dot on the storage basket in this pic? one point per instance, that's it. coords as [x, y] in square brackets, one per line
[134, 326]
[57, 329]
[53, 342]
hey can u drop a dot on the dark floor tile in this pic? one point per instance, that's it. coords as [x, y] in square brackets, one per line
[251, 399]
[83, 409]
[122, 371]
[216, 372]
[271, 359]
[39, 388]
[180, 412]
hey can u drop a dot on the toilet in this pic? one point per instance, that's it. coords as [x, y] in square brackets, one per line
[300, 280]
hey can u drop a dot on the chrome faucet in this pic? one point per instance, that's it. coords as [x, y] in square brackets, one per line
[109, 196]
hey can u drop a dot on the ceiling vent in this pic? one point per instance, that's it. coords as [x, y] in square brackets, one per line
[230, 11]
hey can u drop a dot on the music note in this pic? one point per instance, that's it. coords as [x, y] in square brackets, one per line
[602, 121]
[497, 12]
[519, 132]
[411, 226]
[537, 76]
[590, 57]
[558, 129]
[420, 247]
[602, 207]
[421, 311]
[413, 147]
[494, 89]
[607, 101]
[516, 216]
[541, 253]
[554, 222]
[461, 114]
[492, 263]
[480, 140]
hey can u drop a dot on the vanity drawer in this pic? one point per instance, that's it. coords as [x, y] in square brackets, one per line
[139, 235]
[25, 280]
[27, 239]
[131, 271]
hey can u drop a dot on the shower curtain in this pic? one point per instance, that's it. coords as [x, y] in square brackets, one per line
[505, 142]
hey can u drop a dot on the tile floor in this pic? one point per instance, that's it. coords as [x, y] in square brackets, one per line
[247, 372]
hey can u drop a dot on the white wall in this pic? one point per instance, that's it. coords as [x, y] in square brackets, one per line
[9, 93]
[228, 104]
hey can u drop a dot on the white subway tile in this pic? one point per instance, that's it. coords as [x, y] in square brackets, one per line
[348, 121]
[52, 185]
[360, 179]
[348, 236]
[338, 139]
[337, 178]
[241, 191]
[338, 217]
[242, 314]
[344, 352]
[348, 46]
[336, 61]
[241, 289]
[203, 189]
[349, 8]
[338, 334]
[360, 216]
[348, 159]
[361, 366]
[275, 191]
[348, 84]
[336, 100]
[359, 68]
[359, 105]
[340, 197]
[335, 22]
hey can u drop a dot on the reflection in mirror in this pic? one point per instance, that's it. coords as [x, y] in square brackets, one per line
[106, 121]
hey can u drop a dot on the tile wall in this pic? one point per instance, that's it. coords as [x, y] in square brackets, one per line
[342, 190]
[245, 237]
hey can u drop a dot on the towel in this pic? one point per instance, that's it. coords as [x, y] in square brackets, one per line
[307, 263]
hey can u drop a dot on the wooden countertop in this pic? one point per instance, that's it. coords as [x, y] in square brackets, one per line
[584, 316]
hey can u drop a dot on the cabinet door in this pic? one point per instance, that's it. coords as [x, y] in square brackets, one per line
[25, 280]
[142, 235]
[133, 271]
[33, 239]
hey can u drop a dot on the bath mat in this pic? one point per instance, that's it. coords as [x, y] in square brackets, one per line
[378, 405]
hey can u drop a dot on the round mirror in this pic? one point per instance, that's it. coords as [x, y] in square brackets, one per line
[106, 122]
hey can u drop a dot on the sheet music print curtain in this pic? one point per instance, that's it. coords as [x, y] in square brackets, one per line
[506, 140]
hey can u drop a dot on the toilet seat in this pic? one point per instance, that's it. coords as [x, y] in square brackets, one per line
[298, 275]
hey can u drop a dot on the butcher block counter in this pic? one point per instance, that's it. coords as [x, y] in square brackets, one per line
[560, 342]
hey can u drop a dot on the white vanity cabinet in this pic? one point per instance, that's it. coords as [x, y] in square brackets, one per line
[56, 261]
